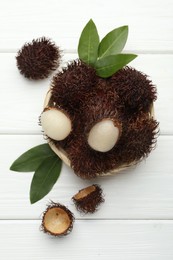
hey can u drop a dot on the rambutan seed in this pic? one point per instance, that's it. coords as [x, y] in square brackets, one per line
[88, 199]
[37, 59]
[57, 220]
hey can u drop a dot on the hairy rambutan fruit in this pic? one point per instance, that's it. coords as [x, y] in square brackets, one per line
[36, 60]
[102, 116]
[135, 90]
[57, 220]
[88, 199]
[71, 86]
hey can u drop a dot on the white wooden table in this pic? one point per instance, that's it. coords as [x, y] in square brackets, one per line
[136, 221]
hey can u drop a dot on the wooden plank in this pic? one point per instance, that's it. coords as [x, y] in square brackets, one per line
[150, 22]
[94, 239]
[142, 192]
[21, 100]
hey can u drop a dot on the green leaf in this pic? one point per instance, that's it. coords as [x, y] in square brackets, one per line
[30, 160]
[44, 178]
[88, 44]
[113, 42]
[107, 66]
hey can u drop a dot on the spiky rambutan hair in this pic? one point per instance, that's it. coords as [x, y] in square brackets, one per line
[126, 98]
[36, 60]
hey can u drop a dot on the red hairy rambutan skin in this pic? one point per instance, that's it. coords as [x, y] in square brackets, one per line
[135, 90]
[36, 60]
[142, 133]
[71, 86]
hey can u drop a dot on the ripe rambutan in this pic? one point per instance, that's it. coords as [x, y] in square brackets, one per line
[135, 90]
[71, 86]
[36, 60]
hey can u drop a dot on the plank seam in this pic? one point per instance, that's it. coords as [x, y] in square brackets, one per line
[71, 51]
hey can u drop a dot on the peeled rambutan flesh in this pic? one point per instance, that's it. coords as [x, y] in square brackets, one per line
[55, 123]
[57, 220]
[37, 59]
[88, 199]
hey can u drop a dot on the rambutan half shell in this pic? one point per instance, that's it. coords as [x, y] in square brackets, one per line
[88, 199]
[57, 220]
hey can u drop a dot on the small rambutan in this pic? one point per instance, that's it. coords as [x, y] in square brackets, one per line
[57, 220]
[36, 60]
[88, 199]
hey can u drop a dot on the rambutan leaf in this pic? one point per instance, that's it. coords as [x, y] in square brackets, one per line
[44, 178]
[108, 65]
[30, 160]
[113, 42]
[88, 44]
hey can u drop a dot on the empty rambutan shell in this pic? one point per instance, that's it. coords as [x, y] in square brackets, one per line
[57, 220]
[88, 199]
[37, 59]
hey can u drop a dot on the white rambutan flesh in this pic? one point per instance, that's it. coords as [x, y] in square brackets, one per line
[56, 124]
[103, 135]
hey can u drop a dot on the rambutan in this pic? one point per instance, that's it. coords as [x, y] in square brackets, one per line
[135, 90]
[36, 60]
[71, 86]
